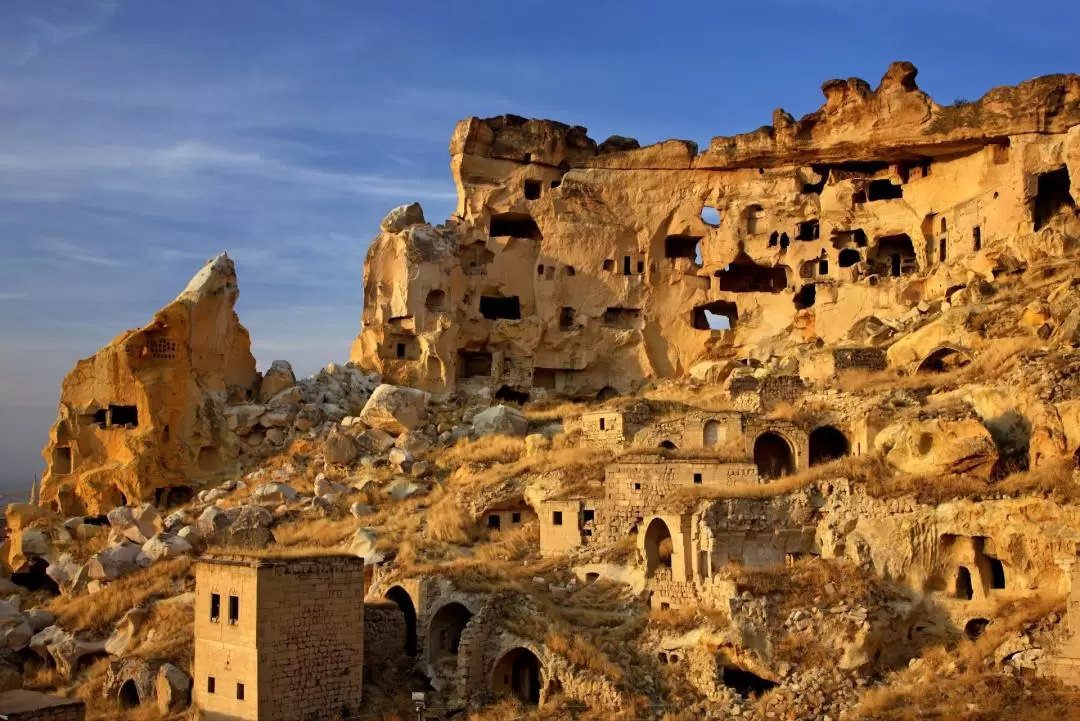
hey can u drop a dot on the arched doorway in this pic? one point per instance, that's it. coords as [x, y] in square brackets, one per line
[607, 393]
[128, 696]
[827, 444]
[975, 627]
[403, 601]
[943, 360]
[517, 674]
[773, 455]
[444, 633]
[659, 548]
[711, 434]
[668, 446]
[964, 588]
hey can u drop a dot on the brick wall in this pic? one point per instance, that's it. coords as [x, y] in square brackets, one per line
[602, 429]
[560, 526]
[507, 518]
[384, 637]
[225, 652]
[24, 705]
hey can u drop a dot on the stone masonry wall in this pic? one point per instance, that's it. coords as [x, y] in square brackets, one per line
[384, 636]
[311, 637]
[644, 483]
[23, 705]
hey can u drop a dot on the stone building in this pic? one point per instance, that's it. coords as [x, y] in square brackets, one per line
[585, 268]
[1066, 665]
[278, 639]
[25, 705]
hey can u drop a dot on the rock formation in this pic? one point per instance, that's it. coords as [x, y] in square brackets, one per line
[142, 418]
[577, 267]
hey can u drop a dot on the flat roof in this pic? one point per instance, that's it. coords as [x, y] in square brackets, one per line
[22, 701]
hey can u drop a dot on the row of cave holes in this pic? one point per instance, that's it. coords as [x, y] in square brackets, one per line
[516, 673]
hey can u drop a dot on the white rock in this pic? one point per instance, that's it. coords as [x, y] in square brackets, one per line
[165, 545]
[34, 543]
[173, 689]
[274, 493]
[363, 545]
[112, 563]
[395, 409]
[361, 509]
[279, 377]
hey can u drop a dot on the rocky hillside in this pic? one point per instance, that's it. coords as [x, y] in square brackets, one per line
[868, 513]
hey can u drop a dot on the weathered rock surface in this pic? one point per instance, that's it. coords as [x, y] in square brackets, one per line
[500, 419]
[395, 409]
[939, 447]
[143, 413]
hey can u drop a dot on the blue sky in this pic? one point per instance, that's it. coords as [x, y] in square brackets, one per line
[140, 137]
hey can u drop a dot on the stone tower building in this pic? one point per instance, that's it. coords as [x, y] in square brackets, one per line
[278, 639]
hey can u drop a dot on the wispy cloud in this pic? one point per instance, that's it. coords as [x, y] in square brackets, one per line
[7, 295]
[56, 22]
[66, 251]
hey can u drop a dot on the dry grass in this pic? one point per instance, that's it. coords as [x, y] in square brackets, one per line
[314, 532]
[689, 618]
[580, 651]
[1056, 480]
[811, 580]
[550, 411]
[710, 397]
[447, 521]
[493, 448]
[169, 634]
[100, 611]
[967, 685]
[732, 452]
[996, 359]
[514, 544]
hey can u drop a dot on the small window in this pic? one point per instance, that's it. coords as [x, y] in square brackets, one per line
[211, 684]
[234, 609]
[588, 515]
[532, 189]
[556, 518]
[556, 183]
[640, 267]
[400, 350]
[239, 692]
[494, 521]
[570, 271]
[602, 423]
[637, 486]
[626, 265]
[215, 608]
[540, 270]
[823, 267]
[944, 225]
[943, 250]
[976, 237]
[697, 478]
[515, 517]
[609, 265]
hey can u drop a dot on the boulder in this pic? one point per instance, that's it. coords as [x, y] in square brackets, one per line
[212, 522]
[308, 418]
[69, 575]
[279, 418]
[395, 409]
[500, 419]
[175, 521]
[127, 628]
[420, 469]
[112, 563]
[359, 510]
[402, 217]
[938, 446]
[165, 545]
[402, 488]
[15, 630]
[401, 461]
[39, 619]
[339, 448]
[536, 443]
[242, 419]
[363, 545]
[137, 524]
[250, 528]
[63, 648]
[375, 442]
[191, 535]
[291, 396]
[34, 542]
[279, 377]
[324, 486]
[173, 689]
[413, 442]
[274, 493]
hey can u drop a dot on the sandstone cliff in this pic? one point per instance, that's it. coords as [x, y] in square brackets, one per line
[580, 268]
[142, 418]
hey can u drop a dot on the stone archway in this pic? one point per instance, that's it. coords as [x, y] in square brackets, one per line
[444, 632]
[773, 455]
[711, 434]
[401, 598]
[659, 547]
[943, 359]
[128, 695]
[518, 673]
[828, 443]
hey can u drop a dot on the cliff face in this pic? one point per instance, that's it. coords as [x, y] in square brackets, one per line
[574, 267]
[142, 418]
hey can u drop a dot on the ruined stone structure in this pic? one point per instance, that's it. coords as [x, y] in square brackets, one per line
[142, 419]
[585, 268]
[278, 639]
[23, 705]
